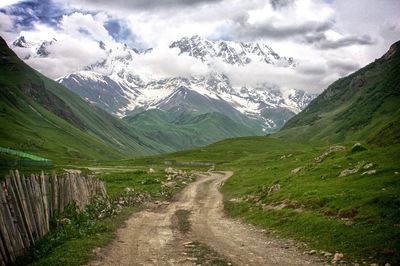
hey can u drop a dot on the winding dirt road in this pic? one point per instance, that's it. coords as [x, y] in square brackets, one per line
[152, 237]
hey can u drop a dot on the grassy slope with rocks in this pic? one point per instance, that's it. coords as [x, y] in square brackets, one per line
[361, 106]
[355, 214]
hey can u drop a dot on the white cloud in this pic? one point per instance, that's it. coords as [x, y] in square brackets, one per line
[298, 29]
[5, 3]
[6, 22]
[164, 62]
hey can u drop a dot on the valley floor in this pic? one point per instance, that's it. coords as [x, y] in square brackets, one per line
[163, 235]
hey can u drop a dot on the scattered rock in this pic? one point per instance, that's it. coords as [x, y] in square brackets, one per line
[286, 156]
[63, 221]
[97, 251]
[151, 171]
[297, 170]
[73, 171]
[370, 172]
[337, 257]
[353, 170]
[236, 200]
[329, 151]
[274, 188]
[347, 213]
[170, 184]
[348, 172]
[396, 173]
[327, 254]
[169, 170]
[368, 166]
[388, 264]
[311, 252]
[358, 147]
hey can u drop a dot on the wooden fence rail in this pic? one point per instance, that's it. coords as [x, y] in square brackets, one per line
[28, 203]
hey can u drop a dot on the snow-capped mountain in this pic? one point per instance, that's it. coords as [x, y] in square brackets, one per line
[230, 52]
[114, 84]
[35, 49]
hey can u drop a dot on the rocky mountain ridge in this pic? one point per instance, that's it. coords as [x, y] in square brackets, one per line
[113, 83]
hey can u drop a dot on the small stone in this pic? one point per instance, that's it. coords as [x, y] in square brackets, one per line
[368, 166]
[296, 170]
[337, 257]
[312, 252]
[396, 173]
[388, 264]
[358, 147]
[370, 172]
[274, 188]
[327, 254]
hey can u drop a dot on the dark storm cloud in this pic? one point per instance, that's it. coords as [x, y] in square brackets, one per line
[145, 4]
[324, 43]
[121, 32]
[278, 4]
[343, 67]
[27, 13]
[272, 30]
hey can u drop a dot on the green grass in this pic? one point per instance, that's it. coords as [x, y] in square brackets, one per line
[77, 250]
[205, 255]
[356, 107]
[317, 198]
[183, 220]
[73, 244]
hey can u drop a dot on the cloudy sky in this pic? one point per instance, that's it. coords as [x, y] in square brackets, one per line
[329, 38]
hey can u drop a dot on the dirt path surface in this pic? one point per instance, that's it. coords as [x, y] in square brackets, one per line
[152, 237]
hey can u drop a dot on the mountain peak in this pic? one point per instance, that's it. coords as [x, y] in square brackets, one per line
[393, 50]
[20, 42]
[231, 52]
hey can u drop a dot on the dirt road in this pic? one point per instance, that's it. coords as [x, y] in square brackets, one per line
[152, 237]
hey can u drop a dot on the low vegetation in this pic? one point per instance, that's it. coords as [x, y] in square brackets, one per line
[75, 235]
[279, 186]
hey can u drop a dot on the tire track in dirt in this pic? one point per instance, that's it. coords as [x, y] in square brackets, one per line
[151, 237]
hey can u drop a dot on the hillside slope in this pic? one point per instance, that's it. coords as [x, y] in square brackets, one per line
[43, 117]
[361, 106]
[183, 130]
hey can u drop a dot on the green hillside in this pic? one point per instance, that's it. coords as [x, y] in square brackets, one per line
[355, 214]
[186, 130]
[43, 117]
[363, 105]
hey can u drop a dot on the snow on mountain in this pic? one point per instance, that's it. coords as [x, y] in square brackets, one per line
[234, 53]
[34, 49]
[114, 83]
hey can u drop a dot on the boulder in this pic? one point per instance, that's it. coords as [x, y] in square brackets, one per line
[274, 188]
[368, 166]
[369, 172]
[171, 184]
[297, 170]
[337, 257]
[329, 151]
[358, 147]
[351, 171]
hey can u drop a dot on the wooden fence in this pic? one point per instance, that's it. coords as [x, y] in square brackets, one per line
[28, 203]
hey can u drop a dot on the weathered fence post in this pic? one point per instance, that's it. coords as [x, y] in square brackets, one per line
[28, 203]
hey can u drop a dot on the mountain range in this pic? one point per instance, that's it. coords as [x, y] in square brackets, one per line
[124, 91]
